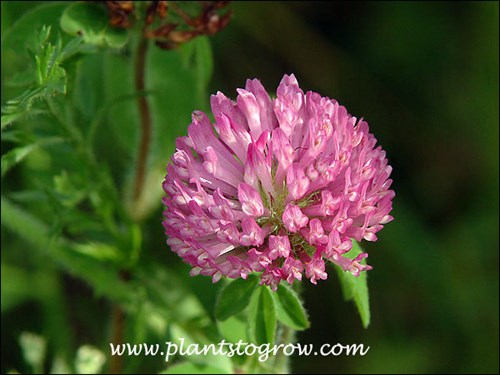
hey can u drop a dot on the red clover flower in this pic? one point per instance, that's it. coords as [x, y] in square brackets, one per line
[277, 186]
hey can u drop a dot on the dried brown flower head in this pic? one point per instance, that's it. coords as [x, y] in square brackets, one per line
[170, 23]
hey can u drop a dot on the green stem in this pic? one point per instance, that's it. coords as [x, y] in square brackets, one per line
[285, 336]
[67, 123]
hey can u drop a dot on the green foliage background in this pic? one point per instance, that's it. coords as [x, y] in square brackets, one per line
[423, 74]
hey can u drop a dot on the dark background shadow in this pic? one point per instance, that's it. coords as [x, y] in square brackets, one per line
[425, 77]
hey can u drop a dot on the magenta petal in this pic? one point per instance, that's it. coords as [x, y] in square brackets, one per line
[251, 203]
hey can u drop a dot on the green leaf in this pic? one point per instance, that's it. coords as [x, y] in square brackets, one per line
[176, 91]
[69, 194]
[233, 329]
[14, 156]
[204, 60]
[289, 308]
[123, 117]
[51, 77]
[21, 79]
[17, 286]
[104, 279]
[169, 292]
[197, 56]
[196, 333]
[17, 136]
[48, 58]
[356, 288]
[88, 100]
[262, 316]
[193, 368]
[21, 35]
[92, 23]
[234, 297]
[99, 250]
[8, 119]
[21, 106]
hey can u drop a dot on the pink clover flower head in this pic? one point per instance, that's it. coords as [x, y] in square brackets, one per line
[277, 186]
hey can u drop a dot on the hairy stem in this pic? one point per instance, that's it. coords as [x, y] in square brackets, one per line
[285, 336]
[145, 115]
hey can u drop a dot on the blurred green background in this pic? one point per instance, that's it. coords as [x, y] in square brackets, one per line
[425, 77]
